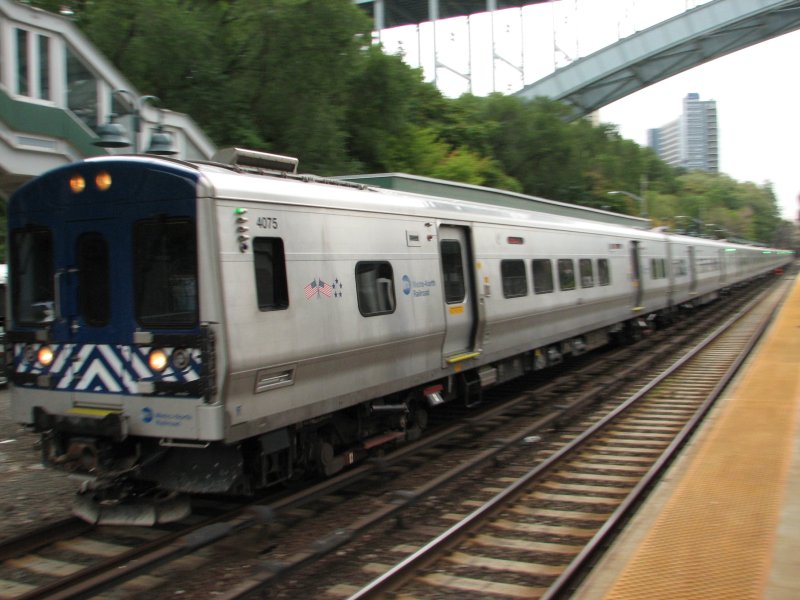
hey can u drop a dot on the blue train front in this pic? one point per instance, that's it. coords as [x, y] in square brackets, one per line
[105, 341]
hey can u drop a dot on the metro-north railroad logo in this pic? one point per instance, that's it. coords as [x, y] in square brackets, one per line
[147, 415]
[318, 287]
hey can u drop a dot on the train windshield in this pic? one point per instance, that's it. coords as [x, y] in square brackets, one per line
[165, 272]
[32, 270]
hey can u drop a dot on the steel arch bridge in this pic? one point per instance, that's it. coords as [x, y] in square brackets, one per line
[697, 36]
[690, 39]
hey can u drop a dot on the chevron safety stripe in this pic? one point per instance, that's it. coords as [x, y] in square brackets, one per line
[103, 368]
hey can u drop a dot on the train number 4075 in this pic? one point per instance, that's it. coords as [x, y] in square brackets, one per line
[267, 222]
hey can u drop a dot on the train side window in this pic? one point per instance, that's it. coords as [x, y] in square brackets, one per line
[375, 288]
[658, 268]
[94, 280]
[454, 286]
[269, 262]
[515, 280]
[33, 294]
[566, 274]
[587, 274]
[603, 272]
[542, 276]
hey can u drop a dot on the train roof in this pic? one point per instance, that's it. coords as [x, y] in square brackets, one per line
[247, 181]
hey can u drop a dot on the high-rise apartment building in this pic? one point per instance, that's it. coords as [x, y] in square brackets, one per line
[692, 140]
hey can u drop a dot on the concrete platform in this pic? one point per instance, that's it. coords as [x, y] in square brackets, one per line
[724, 523]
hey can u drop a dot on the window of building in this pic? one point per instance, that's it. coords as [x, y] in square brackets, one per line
[23, 83]
[81, 90]
[542, 276]
[603, 272]
[586, 272]
[515, 280]
[566, 274]
[453, 272]
[375, 288]
[44, 67]
[269, 262]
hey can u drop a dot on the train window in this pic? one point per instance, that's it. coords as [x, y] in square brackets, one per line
[542, 276]
[515, 281]
[32, 274]
[270, 269]
[658, 268]
[165, 272]
[375, 288]
[566, 274]
[603, 272]
[453, 272]
[94, 292]
[587, 274]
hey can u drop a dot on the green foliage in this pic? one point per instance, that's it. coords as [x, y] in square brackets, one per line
[303, 78]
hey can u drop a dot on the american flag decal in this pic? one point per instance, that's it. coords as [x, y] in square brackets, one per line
[318, 287]
[311, 289]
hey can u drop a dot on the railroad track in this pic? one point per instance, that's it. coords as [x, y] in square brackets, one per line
[534, 537]
[249, 550]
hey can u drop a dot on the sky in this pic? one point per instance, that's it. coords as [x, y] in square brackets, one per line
[756, 89]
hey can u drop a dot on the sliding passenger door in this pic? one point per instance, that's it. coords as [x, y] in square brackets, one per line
[636, 276]
[459, 296]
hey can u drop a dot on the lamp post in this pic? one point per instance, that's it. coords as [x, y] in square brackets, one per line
[642, 202]
[113, 134]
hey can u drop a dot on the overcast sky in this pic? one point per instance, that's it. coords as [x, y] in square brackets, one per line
[757, 89]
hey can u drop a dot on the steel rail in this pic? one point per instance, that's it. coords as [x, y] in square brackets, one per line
[403, 570]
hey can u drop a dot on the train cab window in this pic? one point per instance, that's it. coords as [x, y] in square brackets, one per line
[269, 261]
[375, 288]
[603, 272]
[94, 282]
[165, 272]
[453, 272]
[566, 274]
[515, 280]
[586, 272]
[32, 274]
[542, 276]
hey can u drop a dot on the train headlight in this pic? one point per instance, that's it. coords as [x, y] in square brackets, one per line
[158, 360]
[45, 356]
[77, 183]
[180, 359]
[102, 180]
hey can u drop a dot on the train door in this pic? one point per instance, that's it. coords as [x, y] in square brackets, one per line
[692, 270]
[84, 323]
[459, 295]
[636, 274]
[723, 267]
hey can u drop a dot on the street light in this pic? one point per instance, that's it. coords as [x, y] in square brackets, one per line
[642, 202]
[113, 134]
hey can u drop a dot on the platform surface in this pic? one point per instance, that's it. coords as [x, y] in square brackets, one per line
[724, 523]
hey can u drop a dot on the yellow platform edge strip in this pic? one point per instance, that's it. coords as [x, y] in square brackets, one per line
[715, 535]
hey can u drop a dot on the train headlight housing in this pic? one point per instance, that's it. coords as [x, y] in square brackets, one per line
[45, 356]
[180, 359]
[158, 360]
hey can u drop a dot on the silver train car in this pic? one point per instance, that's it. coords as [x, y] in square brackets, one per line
[224, 326]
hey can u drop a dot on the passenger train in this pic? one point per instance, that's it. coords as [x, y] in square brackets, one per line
[224, 326]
